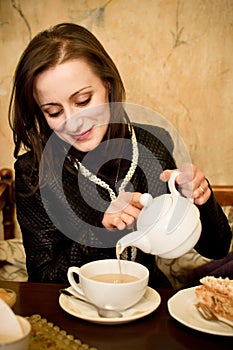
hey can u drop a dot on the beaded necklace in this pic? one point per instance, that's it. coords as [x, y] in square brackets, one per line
[95, 179]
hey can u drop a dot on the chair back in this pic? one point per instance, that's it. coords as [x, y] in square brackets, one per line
[7, 202]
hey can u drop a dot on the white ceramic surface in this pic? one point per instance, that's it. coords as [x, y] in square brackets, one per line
[10, 327]
[147, 304]
[110, 295]
[181, 307]
[168, 226]
[21, 343]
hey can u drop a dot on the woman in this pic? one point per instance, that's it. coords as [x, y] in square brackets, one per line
[79, 183]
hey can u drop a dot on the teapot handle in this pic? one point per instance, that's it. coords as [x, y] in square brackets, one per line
[171, 184]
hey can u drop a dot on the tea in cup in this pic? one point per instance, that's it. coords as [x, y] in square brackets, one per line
[110, 283]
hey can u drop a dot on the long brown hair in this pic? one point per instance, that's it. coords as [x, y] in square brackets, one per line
[47, 49]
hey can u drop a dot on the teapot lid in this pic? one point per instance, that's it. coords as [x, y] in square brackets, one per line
[154, 211]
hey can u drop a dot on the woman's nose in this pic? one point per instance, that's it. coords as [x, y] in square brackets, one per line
[73, 121]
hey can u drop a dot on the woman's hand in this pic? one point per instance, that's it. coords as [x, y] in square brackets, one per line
[123, 211]
[192, 183]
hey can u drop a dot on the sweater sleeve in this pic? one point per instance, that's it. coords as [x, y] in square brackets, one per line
[216, 235]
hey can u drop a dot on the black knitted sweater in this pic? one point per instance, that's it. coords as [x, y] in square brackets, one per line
[61, 219]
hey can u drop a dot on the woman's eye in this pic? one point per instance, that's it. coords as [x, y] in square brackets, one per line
[54, 114]
[84, 102]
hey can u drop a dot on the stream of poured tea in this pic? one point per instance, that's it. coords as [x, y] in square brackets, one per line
[118, 249]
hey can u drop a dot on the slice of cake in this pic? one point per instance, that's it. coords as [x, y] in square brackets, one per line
[217, 294]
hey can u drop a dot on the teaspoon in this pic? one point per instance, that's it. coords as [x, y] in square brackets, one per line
[101, 312]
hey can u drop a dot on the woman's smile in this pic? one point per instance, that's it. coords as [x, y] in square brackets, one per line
[83, 135]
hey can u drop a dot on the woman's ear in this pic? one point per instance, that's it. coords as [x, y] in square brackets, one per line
[108, 86]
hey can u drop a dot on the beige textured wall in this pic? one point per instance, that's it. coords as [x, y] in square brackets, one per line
[175, 57]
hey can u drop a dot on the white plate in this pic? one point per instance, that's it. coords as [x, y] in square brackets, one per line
[150, 302]
[181, 306]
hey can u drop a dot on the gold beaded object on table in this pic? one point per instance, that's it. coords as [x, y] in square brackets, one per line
[45, 335]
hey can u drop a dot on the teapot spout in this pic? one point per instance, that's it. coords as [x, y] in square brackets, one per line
[133, 239]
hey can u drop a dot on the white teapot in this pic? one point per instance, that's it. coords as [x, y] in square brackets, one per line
[168, 226]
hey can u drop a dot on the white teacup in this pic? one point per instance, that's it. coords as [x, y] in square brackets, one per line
[110, 295]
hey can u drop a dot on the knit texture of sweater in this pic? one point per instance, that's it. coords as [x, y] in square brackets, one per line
[61, 220]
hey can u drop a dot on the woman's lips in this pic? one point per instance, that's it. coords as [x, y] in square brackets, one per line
[84, 135]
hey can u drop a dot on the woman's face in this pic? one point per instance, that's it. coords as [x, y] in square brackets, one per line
[74, 102]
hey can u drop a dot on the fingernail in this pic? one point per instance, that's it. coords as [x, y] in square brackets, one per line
[162, 176]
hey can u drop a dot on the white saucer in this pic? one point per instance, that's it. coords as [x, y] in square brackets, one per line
[181, 306]
[149, 302]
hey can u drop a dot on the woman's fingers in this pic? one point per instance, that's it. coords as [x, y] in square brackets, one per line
[123, 211]
[191, 182]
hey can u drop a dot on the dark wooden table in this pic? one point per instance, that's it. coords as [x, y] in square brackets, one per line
[155, 331]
